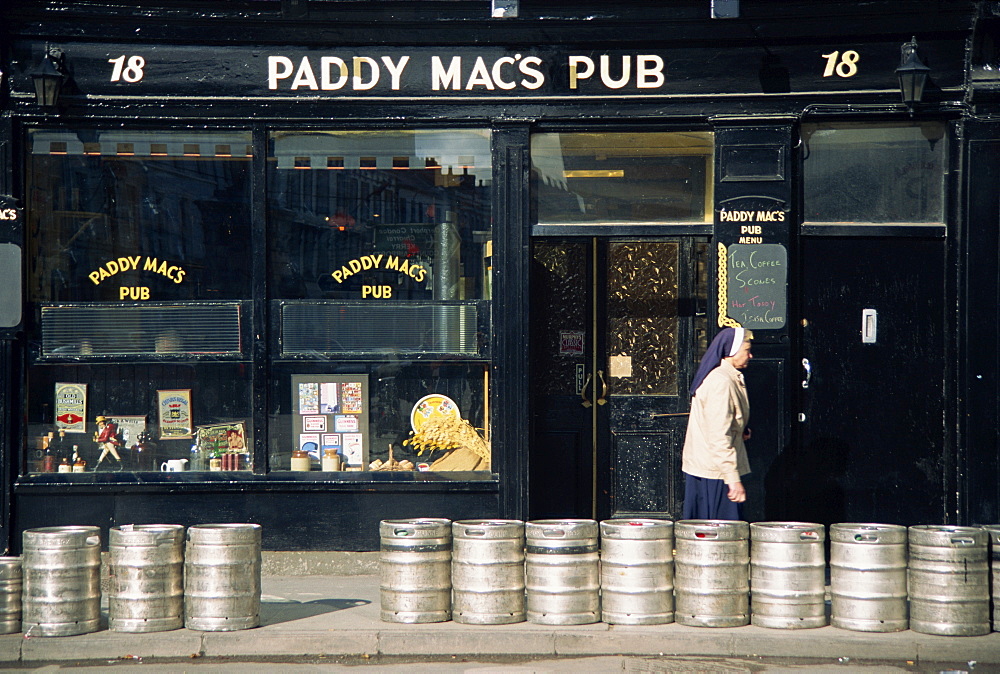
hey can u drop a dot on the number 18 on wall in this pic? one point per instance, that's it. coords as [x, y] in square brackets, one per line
[128, 68]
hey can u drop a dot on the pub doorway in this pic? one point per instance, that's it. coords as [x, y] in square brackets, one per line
[617, 325]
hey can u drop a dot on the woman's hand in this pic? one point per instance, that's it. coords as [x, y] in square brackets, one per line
[737, 494]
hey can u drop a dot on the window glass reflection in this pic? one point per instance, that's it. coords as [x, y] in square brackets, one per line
[582, 178]
[865, 173]
[138, 216]
[380, 215]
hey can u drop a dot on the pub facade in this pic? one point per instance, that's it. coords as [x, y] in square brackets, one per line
[315, 264]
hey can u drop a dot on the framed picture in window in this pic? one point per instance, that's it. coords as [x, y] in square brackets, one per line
[175, 414]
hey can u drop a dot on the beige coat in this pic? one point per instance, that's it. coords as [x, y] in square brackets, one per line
[713, 446]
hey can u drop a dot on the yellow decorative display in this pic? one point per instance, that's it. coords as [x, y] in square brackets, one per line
[724, 320]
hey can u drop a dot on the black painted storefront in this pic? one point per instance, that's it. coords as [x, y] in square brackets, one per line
[900, 431]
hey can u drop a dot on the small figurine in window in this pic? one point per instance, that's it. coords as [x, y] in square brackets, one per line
[109, 440]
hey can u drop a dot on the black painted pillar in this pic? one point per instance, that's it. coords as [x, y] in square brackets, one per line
[979, 332]
[754, 217]
[511, 264]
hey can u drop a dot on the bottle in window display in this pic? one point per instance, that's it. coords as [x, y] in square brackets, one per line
[60, 446]
[49, 457]
[197, 461]
[143, 453]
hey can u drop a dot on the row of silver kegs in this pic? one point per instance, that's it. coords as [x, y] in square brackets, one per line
[705, 573]
[161, 577]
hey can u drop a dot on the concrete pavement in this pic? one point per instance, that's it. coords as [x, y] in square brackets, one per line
[333, 616]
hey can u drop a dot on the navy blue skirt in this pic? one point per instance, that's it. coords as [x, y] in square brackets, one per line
[706, 499]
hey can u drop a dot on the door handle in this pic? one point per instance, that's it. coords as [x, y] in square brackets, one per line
[807, 368]
[604, 389]
[583, 392]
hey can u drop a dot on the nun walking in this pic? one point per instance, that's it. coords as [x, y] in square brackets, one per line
[715, 455]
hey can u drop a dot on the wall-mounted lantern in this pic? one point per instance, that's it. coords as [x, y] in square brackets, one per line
[49, 77]
[912, 74]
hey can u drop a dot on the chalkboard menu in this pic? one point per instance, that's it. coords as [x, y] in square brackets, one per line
[756, 285]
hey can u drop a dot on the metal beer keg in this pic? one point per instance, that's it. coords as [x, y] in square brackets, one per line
[637, 571]
[147, 577]
[415, 570]
[993, 530]
[868, 577]
[222, 577]
[487, 572]
[61, 594]
[787, 575]
[948, 579]
[562, 572]
[10, 595]
[711, 573]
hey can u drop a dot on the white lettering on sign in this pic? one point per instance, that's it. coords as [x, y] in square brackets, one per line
[751, 216]
[364, 73]
[501, 73]
[8, 214]
[648, 69]
[461, 73]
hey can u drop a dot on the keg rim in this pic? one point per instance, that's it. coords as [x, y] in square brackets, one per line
[945, 535]
[637, 521]
[577, 528]
[215, 526]
[67, 529]
[789, 525]
[225, 533]
[944, 529]
[417, 521]
[488, 529]
[147, 528]
[724, 531]
[145, 535]
[867, 526]
[637, 529]
[868, 533]
[44, 538]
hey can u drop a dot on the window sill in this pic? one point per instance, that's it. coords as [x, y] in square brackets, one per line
[245, 481]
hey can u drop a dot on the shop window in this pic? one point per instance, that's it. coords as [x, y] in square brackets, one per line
[634, 178]
[138, 417]
[379, 276]
[874, 173]
[139, 294]
[136, 215]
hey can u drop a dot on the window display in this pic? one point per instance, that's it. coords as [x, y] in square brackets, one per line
[373, 307]
[330, 421]
[136, 245]
[380, 287]
[126, 432]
